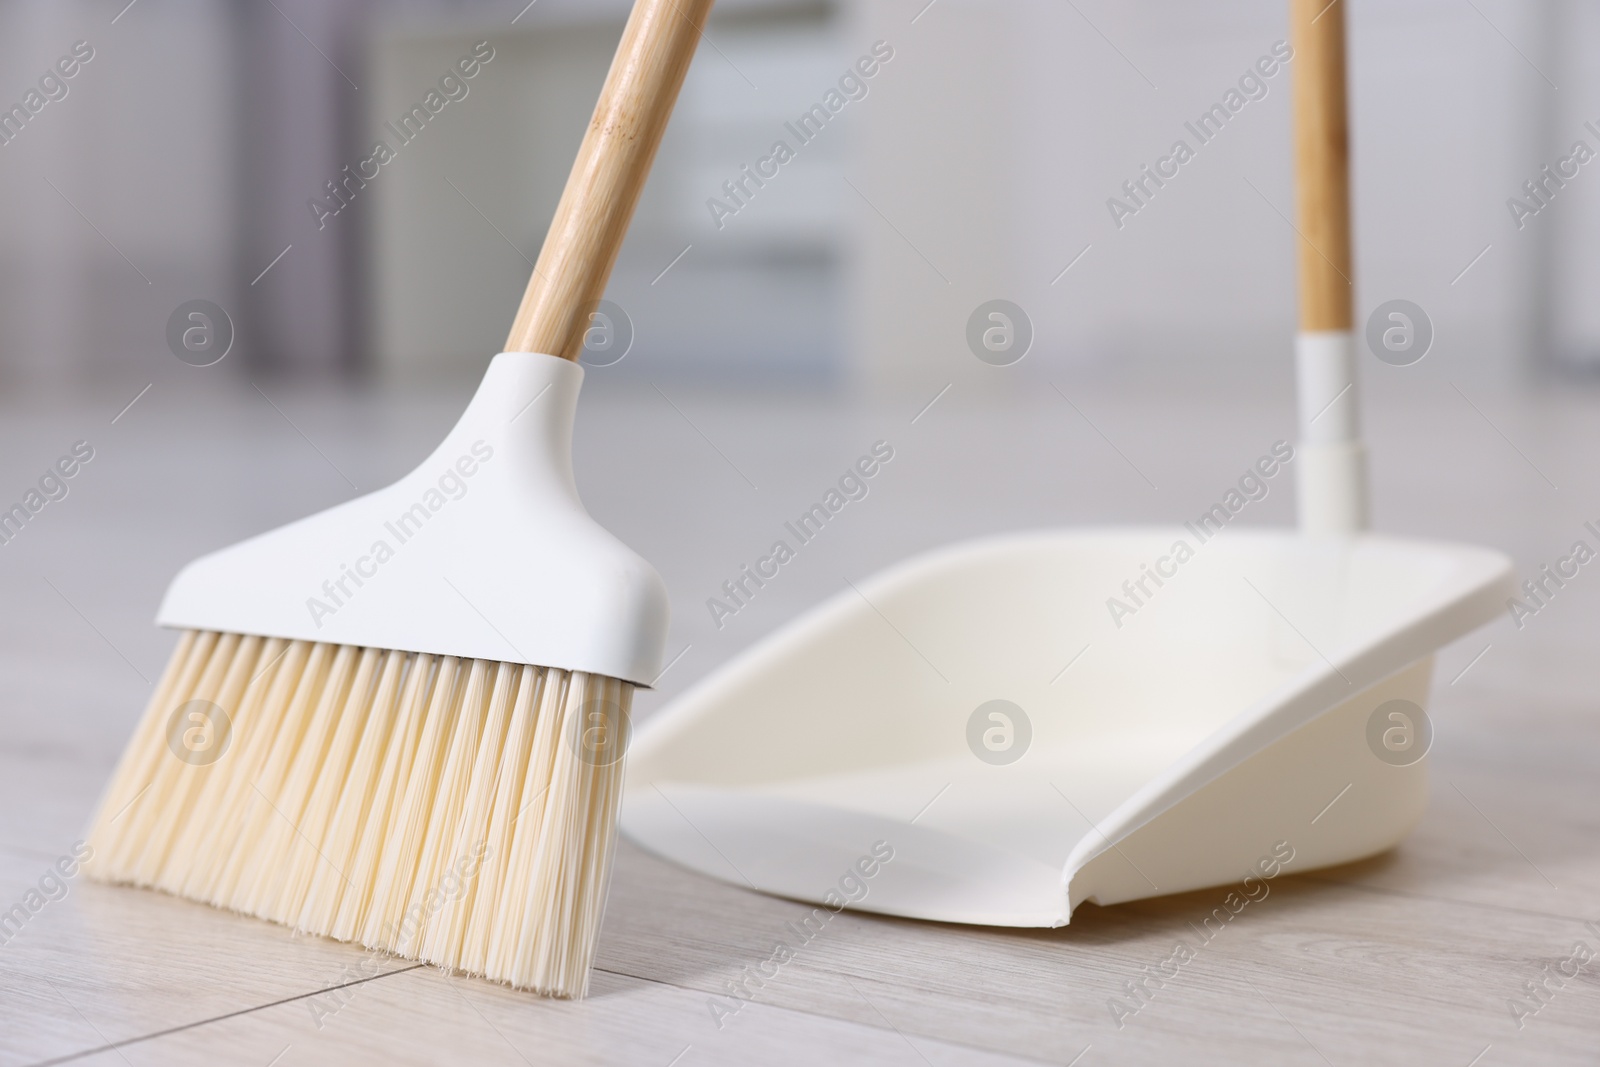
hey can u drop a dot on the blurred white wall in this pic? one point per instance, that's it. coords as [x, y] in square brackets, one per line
[1032, 114]
[456, 225]
[1566, 275]
[977, 166]
[120, 200]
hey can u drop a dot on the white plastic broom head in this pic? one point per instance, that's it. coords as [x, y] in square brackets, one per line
[483, 551]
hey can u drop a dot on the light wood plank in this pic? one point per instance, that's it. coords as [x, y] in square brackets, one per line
[1407, 958]
[421, 1017]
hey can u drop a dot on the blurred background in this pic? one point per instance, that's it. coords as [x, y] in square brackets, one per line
[184, 161]
[214, 150]
[224, 151]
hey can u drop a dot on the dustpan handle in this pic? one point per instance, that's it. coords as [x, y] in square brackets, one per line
[1332, 477]
[603, 188]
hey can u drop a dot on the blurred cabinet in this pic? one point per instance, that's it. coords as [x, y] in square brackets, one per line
[458, 217]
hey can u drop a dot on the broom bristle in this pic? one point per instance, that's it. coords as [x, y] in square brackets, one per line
[460, 812]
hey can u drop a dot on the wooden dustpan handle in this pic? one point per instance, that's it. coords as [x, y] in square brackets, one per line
[1332, 464]
[603, 188]
[1322, 163]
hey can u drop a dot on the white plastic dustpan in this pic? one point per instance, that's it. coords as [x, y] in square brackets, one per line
[980, 718]
[1173, 753]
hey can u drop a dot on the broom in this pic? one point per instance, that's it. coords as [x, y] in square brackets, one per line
[401, 722]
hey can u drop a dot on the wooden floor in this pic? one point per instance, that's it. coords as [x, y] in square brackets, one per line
[1414, 957]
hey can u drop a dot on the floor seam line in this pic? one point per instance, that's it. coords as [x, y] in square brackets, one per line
[114, 1045]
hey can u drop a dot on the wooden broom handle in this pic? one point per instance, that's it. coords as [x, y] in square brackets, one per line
[1322, 163]
[603, 188]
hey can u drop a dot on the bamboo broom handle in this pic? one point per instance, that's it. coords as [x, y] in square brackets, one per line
[603, 188]
[1322, 163]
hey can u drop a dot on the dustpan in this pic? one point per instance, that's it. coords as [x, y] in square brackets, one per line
[998, 731]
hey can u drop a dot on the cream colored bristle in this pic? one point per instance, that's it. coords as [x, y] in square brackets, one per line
[221, 792]
[280, 814]
[483, 910]
[446, 926]
[355, 904]
[402, 844]
[436, 854]
[460, 812]
[319, 887]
